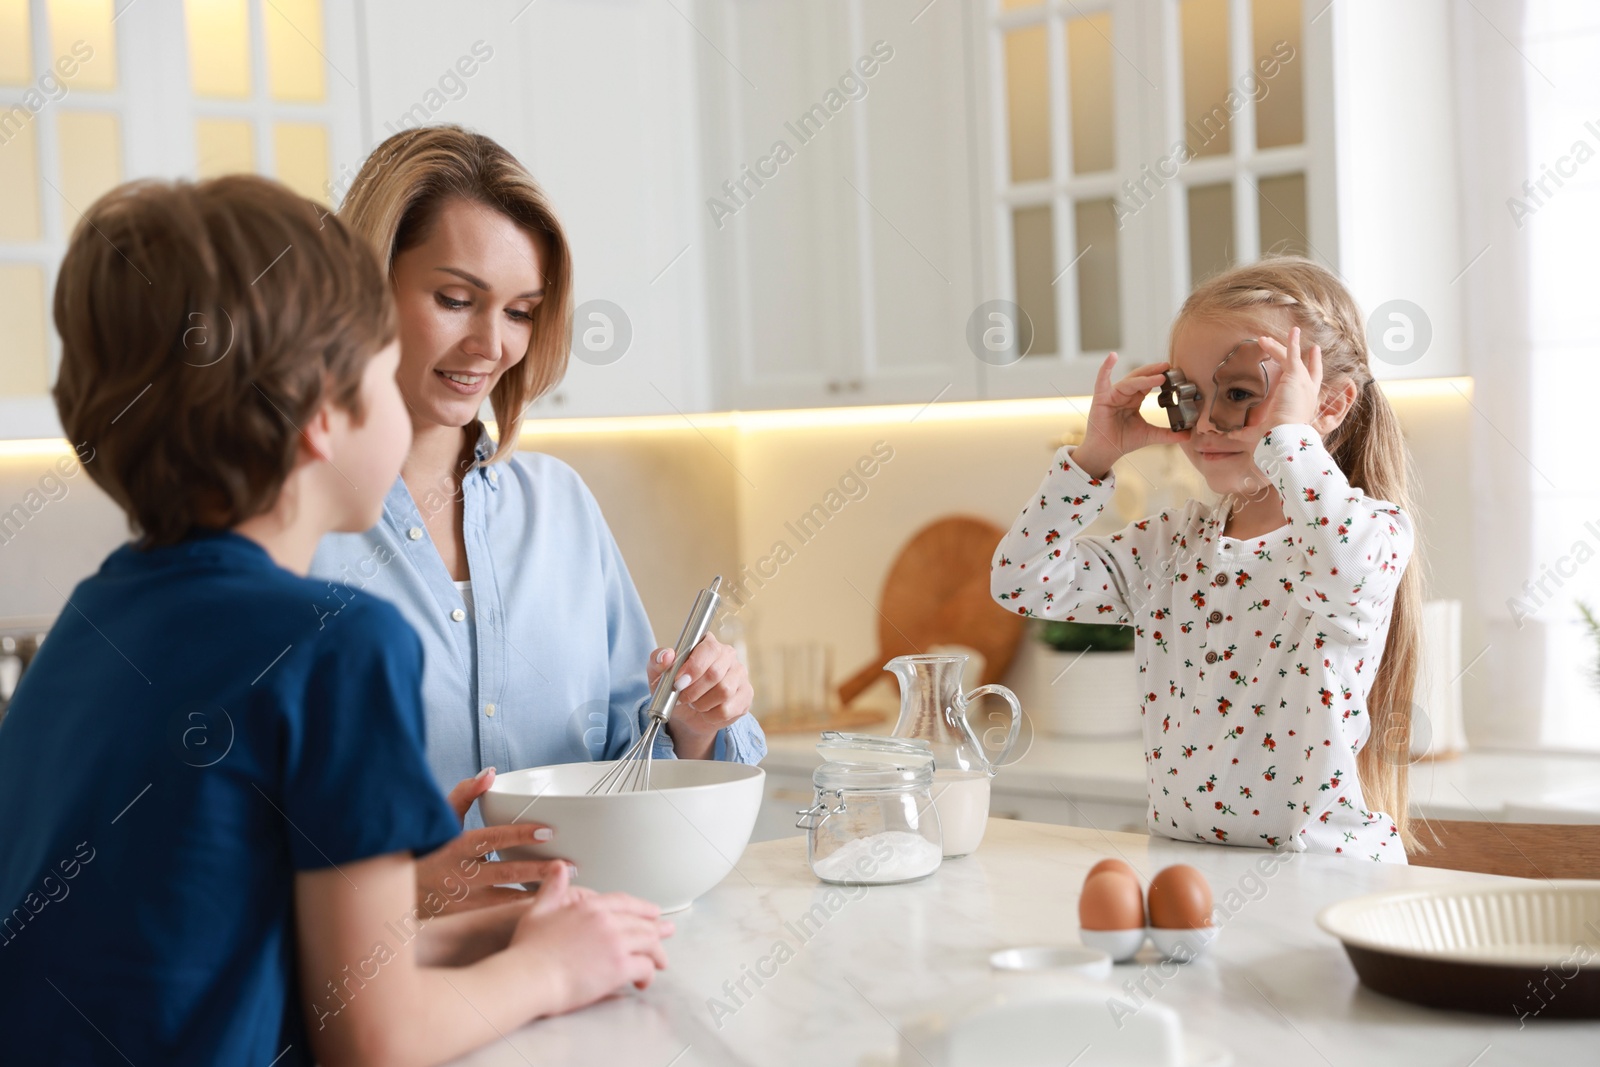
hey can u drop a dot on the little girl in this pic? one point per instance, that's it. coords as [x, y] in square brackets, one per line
[1276, 630]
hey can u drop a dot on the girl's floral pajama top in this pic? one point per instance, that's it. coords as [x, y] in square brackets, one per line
[1255, 655]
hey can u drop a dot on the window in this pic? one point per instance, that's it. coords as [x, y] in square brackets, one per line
[1139, 147]
[62, 109]
[259, 77]
[260, 94]
[1056, 191]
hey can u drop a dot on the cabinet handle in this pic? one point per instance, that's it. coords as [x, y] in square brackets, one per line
[855, 385]
[833, 386]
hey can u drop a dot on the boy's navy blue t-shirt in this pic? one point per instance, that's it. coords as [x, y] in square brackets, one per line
[197, 727]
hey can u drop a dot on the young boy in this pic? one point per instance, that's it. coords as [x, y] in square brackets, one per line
[212, 787]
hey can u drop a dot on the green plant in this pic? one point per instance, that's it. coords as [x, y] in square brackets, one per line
[1085, 636]
[1593, 625]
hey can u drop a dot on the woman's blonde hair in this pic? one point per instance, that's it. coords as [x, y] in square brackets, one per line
[395, 200]
[1371, 452]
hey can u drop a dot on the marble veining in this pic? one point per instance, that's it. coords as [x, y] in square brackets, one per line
[773, 967]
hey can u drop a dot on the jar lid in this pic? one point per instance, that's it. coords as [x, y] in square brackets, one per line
[865, 777]
[911, 752]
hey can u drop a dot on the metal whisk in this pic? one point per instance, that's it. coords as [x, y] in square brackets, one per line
[632, 771]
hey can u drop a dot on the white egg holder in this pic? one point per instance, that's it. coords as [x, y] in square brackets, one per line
[1176, 945]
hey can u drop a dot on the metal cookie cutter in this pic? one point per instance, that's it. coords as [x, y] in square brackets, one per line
[1181, 398]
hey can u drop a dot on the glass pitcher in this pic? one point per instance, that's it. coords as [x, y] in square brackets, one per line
[934, 709]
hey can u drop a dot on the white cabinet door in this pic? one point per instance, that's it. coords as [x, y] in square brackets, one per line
[598, 101]
[839, 205]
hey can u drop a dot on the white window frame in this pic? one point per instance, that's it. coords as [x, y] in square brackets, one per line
[156, 111]
[1153, 253]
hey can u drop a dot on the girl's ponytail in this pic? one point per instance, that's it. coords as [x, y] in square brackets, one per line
[1371, 451]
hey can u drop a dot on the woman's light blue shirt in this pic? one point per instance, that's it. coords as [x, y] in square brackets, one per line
[548, 663]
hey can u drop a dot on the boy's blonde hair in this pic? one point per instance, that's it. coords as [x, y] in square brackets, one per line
[1371, 451]
[395, 200]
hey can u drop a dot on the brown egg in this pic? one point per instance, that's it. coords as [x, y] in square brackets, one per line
[1112, 865]
[1111, 901]
[1180, 899]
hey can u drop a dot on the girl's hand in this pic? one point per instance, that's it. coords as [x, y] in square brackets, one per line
[591, 947]
[456, 877]
[1115, 425]
[1296, 389]
[713, 691]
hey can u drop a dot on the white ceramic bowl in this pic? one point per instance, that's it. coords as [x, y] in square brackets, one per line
[668, 844]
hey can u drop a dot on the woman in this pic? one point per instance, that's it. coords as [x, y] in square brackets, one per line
[537, 648]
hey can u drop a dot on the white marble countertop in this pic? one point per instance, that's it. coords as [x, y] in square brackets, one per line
[1498, 785]
[1273, 989]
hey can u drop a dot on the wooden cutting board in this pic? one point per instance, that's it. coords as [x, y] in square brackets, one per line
[937, 593]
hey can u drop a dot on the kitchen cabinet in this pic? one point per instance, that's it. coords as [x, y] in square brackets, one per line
[838, 167]
[801, 203]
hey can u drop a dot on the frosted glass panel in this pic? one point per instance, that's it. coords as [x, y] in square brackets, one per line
[301, 150]
[24, 363]
[1089, 94]
[219, 47]
[1208, 125]
[16, 57]
[77, 26]
[19, 184]
[1034, 259]
[1210, 230]
[294, 50]
[1282, 203]
[91, 158]
[223, 146]
[1028, 103]
[1099, 291]
[1280, 114]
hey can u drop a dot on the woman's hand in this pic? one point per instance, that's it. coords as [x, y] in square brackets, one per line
[713, 691]
[456, 876]
[590, 946]
[1295, 395]
[1115, 425]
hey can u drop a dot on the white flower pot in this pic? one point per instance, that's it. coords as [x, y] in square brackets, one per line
[1089, 694]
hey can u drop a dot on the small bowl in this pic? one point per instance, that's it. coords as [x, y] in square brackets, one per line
[1182, 945]
[668, 844]
[1065, 959]
[1120, 945]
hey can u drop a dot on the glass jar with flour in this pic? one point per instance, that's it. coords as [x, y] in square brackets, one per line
[873, 822]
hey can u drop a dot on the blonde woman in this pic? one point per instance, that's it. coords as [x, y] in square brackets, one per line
[537, 649]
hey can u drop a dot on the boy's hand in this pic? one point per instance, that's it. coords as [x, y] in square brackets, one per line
[456, 875]
[594, 946]
[1295, 395]
[1115, 425]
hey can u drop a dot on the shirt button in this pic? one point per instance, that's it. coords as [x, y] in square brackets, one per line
[1211, 657]
[488, 709]
[415, 533]
[1221, 579]
[1215, 616]
[494, 475]
[458, 615]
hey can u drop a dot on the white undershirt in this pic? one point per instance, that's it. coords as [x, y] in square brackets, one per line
[465, 589]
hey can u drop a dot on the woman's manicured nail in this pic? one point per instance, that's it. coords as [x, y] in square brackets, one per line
[681, 682]
[661, 657]
[544, 833]
[485, 772]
